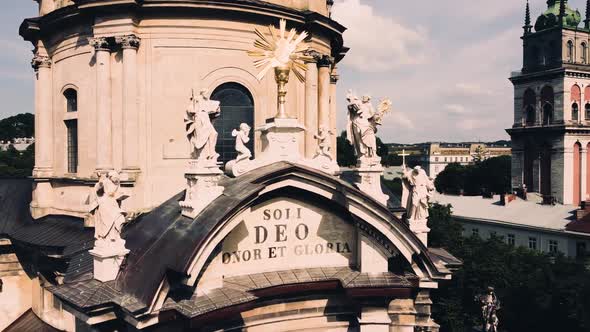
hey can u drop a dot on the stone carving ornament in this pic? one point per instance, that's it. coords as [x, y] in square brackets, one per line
[242, 138]
[200, 114]
[361, 128]
[324, 145]
[109, 217]
[418, 189]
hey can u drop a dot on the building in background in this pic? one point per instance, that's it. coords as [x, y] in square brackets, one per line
[439, 155]
[551, 131]
[529, 224]
[20, 144]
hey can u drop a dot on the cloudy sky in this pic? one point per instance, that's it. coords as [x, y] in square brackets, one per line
[444, 64]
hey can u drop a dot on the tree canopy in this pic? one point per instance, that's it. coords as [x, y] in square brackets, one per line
[539, 292]
[21, 125]
[492, 175]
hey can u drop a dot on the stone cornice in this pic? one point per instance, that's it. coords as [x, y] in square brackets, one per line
[81, 12]
[40, 61]
[128, 41]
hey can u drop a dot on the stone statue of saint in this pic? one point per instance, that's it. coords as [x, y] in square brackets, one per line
[242, 138]
[200, 132]
[362, 124]
[418, 188]
[323, 137]
[490, 306]
[109, 217]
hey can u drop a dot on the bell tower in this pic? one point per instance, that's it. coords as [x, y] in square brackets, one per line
[551, 131]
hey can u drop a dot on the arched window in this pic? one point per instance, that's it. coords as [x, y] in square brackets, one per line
[577, 174]
[547, 114]
[570, 51]
[71, 103]
[530, 116]
[529, 101]
[575, 112]
[584, 50]
[237, 106]
[71, 97]
[587, 111]
[547, 100]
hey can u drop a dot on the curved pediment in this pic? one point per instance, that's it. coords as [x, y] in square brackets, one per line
[278, 217]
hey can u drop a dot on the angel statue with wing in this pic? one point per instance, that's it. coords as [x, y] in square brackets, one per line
[363, 121]
[200, 132]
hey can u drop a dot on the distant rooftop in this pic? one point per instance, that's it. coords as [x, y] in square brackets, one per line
[516, 213]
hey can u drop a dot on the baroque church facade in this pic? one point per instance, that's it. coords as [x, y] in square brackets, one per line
[551, 131]
[129, 226]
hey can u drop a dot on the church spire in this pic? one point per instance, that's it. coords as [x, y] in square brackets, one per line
[527, 19]
[587, 20]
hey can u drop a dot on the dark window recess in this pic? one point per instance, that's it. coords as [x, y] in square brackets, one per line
[71, 96]
[72, 132]
[237, 106]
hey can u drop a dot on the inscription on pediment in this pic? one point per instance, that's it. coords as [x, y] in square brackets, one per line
[284, 234]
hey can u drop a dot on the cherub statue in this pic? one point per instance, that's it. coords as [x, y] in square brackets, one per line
[200, 132]
[242, 138]
[362, 124]
[323, 137]
[109, 217]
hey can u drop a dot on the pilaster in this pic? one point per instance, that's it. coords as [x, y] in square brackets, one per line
[130, 45]
[334, 77]
[311, 106]
[104, 117]
[43, 116]
[324, 65]
[403, 315]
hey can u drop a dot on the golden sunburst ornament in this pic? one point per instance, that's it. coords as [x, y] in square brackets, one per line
[281, 50]
[284, 52]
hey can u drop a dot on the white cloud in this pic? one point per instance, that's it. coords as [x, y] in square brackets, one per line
[455, 109]
[379, 43]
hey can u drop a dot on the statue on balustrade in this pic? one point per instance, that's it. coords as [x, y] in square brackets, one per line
[200, 115]
[242, 138]
[363, 121]
[417, 191]
[108, 215]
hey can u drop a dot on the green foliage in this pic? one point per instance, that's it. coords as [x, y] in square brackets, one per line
[21, 125]
[492, 175]
[15, 164]
[394, 185]
[539, 292]
[344, 151]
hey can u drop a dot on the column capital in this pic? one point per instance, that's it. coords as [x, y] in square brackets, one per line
[128, 41]
[325, 61]
[313, 56]
[334, 76]
[99, 43]
[40, 61]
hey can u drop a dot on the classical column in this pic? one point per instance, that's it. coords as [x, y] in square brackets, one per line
[130, 44]
[334, 77]
[324, 65]
[311, 108]
[43, 117]
[104, 116]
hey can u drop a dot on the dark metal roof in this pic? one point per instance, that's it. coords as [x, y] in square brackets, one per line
[29, 322]
[54, 231]
[15, 196]
[243, 289]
